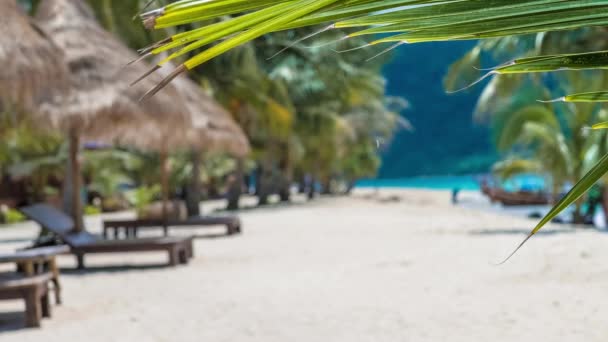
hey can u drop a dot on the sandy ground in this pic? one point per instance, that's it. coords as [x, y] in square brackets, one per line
[342, 269]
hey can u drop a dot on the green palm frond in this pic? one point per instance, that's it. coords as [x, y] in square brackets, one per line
[579, 189]
[405, 22]
[512, 130]
[511, 167]
[580, 61]
[587, 97]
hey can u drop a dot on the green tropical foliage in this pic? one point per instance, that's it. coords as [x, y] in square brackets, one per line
[11, 216]
[305, 111]
[405, 22]
[507, 95]
[402, 22]
[343, 100]
[37, 156]
[556, 142]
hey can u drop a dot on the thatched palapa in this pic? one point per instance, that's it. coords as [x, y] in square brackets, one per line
[214, 129]
[102, 100]
[103, 103]
[33, 69]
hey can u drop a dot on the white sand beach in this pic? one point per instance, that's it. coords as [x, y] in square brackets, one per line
[342, 269]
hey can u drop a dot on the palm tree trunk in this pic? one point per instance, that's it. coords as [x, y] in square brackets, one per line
[164, 182]
[263, 190]
[605, 201]
[577, 215]
[234, 192]
[311, 186]
[284, 192]
[265, 181]
[555, 194]
[327, 186]
[350, 186]
[302, 184]
[286, 176]
[193, 192]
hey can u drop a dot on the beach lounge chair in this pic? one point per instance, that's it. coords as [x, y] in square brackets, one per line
[130, 228]
[180, 250]
[32, 289]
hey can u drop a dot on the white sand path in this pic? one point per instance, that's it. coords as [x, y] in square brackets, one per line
[344, 269]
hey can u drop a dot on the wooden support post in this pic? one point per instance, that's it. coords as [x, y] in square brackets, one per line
[75, 173]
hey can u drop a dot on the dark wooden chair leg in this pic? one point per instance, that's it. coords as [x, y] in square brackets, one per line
[33, 311]
[57, 290]
[183, 255]
[234, 229]
[80, 261]
[45, 305]
[56, 285]
[190, 246]
[173, 256]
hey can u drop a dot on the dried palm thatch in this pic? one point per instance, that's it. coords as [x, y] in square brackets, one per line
[211, 129]
[102, 103]
[214, 129]
[33, 69]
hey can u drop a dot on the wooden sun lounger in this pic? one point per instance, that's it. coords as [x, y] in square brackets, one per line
[33, 290]
[36, 261]
[130, 228]
[180, 250]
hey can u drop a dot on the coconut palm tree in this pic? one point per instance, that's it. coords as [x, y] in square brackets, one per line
[402, 22]
[561, 147]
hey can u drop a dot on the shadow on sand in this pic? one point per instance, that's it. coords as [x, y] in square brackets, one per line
[522, 231]
[211, 236]
[113, 269]
[275, 205]
[12, 321]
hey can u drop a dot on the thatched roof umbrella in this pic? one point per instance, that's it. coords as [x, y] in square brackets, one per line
[214, 127]
[101, 89]
[102, 104]
[33, 70]
[211, 128]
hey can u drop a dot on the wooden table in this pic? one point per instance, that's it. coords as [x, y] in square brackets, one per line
[37, 261]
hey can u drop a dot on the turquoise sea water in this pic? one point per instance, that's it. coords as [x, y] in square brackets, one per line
[430, 182]
[467, 182]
